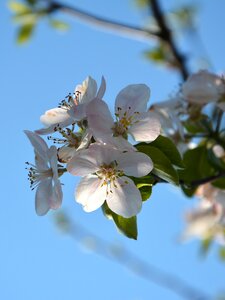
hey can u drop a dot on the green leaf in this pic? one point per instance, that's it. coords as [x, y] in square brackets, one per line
[142, 3]
[127, 226]
[219, 183]
[163, 167]
[25, 33]
[169, 149]
[144, 184]
[31, 2]
[222, 253]
[18, 7]
[197, 165]
[205, 246]
[59, 25]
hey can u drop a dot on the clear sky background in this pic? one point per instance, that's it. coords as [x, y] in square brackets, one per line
[39, 263]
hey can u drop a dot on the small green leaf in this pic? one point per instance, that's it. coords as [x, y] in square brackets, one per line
[59, 25]
[25, 33]
[144, 184]
[18, 7]
[163, 167]
[127, 226]
[169, 149]
[31, 2]
[222, 253]
[197, 165]
[219, 183]
[205, 246]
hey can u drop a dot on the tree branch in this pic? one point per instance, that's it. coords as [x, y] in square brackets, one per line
[128, 260]
[105, 24]
[167, 37]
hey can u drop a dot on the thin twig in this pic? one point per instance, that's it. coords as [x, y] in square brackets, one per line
[104, 24]
[167, 37]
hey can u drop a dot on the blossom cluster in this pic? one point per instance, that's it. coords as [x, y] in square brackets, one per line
[94, 145]
[120, 157]
[189, 104]
[192, 118]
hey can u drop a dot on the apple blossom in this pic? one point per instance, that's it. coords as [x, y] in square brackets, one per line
[44, 175]
[169, 113]
[131, 116]
[203, 221]
[104, 171]
[203, 87]
[73, 109]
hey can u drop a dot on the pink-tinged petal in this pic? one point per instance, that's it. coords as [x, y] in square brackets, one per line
[57, 195]
[43, 197]
[52, 128]
[54, 116]
[132, 98]
[90, 193]
[146, 128]
[83, 163]
[124, 198]
[99, 118]
[38, 143]
[135, 164]
[102, 88]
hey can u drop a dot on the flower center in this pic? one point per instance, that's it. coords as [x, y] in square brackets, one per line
[123, 122]
[35, 175]
[69, 138]
[108, 173]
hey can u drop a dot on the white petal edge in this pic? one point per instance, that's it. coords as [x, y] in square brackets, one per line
[124, 198]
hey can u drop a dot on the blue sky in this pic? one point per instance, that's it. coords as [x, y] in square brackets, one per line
[37, 262]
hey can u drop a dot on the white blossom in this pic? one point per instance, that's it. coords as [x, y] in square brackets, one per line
[131, 117]
[44, 175]
[74, 109]
[203, 87]
[104, 171]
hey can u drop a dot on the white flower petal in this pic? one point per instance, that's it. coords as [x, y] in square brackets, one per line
[132, 98]
[78, 112]
[53, 159]
[90, 193]
[124, 198]
[38, 143]
[87, 90]
[43, 197]
[54, 116]
[146, 128]
[203, 87]
[83, 163]
[66, 153]
[135, 164]
[99, 118]
[51, 128]
[57, 195]
[102, 88]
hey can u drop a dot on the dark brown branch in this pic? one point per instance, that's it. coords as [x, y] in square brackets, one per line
[208, 179]
[167, 37]
[105, 24]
